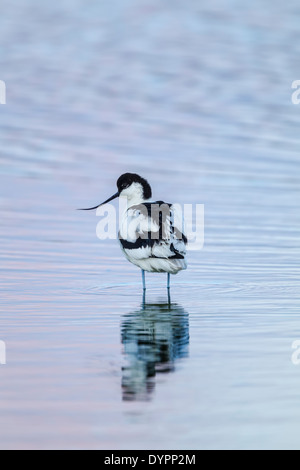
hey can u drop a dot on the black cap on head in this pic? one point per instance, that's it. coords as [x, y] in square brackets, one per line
[124, 182]
[128, 178]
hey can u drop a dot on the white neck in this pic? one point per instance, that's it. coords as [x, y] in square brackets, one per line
[134, 195]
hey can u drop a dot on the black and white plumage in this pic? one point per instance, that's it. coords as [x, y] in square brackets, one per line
[151, 233]
[150, 239]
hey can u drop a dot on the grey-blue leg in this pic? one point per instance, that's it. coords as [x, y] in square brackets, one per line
[144, 299]
[144, 282]
[168, 284]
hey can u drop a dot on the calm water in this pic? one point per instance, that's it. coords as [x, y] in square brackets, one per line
[197, 98]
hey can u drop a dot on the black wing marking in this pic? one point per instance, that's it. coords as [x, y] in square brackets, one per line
[161, 213]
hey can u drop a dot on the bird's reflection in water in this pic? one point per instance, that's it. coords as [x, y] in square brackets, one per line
[153, 338]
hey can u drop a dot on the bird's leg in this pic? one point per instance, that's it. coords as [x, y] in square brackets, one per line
[144, 299]
[168, 287]
[169, 298]
[144, 282]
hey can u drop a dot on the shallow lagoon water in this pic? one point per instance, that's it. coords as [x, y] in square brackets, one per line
[196, 98]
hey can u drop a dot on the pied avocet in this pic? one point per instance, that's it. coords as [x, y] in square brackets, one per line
[151, 233]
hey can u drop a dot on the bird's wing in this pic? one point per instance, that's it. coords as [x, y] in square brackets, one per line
[178, 231]
[153, 230]
[135, 232]
[173, 241]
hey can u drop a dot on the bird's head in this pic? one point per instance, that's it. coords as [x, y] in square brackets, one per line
[132, 186]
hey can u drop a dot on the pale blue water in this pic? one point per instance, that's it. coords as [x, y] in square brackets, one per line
[197, 98]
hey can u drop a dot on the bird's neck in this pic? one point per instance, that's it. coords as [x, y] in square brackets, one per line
[135, 195]
[134, 200]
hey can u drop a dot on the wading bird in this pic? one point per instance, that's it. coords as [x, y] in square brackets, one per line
[151, 233]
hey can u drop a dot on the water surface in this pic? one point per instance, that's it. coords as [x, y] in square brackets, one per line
[197, 98]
